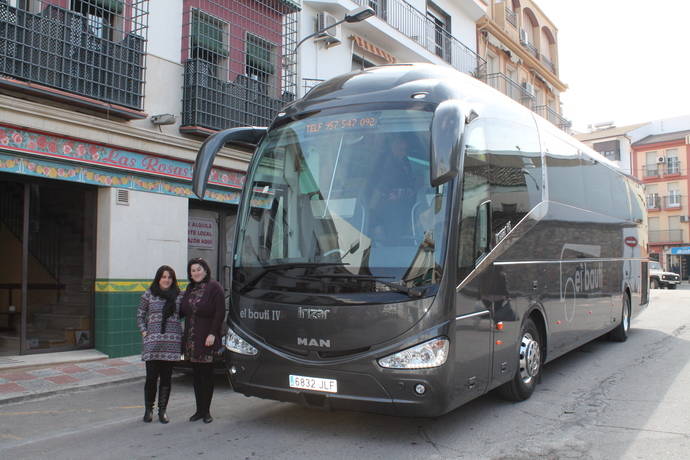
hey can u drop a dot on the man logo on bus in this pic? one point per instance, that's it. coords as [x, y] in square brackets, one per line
[313, 342]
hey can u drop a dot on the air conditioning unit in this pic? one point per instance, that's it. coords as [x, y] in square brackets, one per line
[685, 218]
[523, 36]
[528, 87]
[324, 20]
[661, 160]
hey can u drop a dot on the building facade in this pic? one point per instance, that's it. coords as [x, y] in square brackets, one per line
[103, 105]
[613, 142]
[661, 161]
[520, 46]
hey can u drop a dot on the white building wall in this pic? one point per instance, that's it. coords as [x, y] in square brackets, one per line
[133, 241]
[165, 29]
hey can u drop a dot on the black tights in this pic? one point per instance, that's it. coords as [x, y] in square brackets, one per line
[203, 387]
[156, 370]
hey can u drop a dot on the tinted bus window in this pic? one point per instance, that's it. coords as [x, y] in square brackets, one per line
[619, 196]
[475, 191]
[563, 172]
[597, 181]
[515, 172]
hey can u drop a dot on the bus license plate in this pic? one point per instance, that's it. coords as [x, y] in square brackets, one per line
[313, 383]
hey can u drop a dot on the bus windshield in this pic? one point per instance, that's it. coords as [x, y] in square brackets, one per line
[340, 203]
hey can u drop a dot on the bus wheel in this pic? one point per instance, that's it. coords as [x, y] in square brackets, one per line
[620, 333]
[529, 366]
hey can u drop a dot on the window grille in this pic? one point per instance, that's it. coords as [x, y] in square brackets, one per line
[90, 48]
[239, 62]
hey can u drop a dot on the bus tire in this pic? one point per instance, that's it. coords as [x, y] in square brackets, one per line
[620, 333]
[529, 365]
[655, 283]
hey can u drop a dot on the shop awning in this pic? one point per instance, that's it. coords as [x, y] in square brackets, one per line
[373, 49]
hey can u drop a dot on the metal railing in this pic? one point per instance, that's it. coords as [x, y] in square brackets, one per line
[653, 202]
[92, 51]
[511, 17]
[553, 116]
[530, 47]
[233, 77]
[672, 202]
[510, 88]
[666, 236]
[654, 170]
[547, 62]
[414, 24]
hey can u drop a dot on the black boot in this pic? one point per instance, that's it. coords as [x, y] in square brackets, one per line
[149, 399]
[163, 396]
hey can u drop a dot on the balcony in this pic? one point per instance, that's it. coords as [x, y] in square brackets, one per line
[57, 51]
[247, 83]
[666, 236]
[654, 203]
[547, 62]
[511, 17]
[529, 47]
[510, 88]
[415, 25]
[663, 169]
[553, 116]
[674, 202]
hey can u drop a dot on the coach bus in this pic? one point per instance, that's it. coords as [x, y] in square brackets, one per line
[409, 239]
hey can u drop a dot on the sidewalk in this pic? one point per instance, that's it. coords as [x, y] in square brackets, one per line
[19, 383]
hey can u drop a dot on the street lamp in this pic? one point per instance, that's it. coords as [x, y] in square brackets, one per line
[356, 15]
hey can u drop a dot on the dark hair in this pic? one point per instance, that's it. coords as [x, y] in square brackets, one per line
[204, 264]
[170, 294]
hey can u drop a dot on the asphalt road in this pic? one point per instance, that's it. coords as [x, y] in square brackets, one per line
[604, 401]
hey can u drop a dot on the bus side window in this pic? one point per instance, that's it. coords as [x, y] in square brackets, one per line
[475, 191]
[482, 244]
[515, 172]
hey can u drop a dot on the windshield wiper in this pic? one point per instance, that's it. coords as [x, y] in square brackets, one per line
[255, 279]
[411, 292]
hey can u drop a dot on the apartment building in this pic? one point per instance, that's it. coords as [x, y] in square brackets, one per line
[103, 105]
[661, 161]
[613, 142]
[520, 46]
[440, 32]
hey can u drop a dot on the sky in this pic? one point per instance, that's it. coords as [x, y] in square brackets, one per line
[624, 61]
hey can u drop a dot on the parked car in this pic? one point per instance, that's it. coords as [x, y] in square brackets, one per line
[658, 278]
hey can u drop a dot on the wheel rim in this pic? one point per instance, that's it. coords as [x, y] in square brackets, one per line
[530, 358]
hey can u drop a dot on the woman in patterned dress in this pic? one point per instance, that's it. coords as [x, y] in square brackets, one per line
[203, 307]
[159, 322]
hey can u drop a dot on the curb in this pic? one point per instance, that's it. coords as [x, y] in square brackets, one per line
[74, 389]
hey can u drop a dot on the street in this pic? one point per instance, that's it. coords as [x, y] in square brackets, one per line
[603, 401]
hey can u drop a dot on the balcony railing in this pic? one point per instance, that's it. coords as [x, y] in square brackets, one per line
[530, 47]
[309, 83]
[59, 48]
[666, 236]
[656, 170]
[510, 88]
[233, 77]
[414, 24]
[214, 103]
[553, 116]
[511, 17]
[674, 202]
[547, 62]
[653, 202]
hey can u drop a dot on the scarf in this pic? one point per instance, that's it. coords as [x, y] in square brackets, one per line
[169, 295]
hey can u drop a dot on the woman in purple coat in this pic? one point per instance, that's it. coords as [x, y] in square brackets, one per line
[203, 307]
[159, 322]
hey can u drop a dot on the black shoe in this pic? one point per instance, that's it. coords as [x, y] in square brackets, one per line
[148, 414]
[208, 418]
[163, 417]
[163, 397]
[195, 417]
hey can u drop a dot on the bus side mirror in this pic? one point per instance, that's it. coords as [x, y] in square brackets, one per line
[241, 137]
[446, 131]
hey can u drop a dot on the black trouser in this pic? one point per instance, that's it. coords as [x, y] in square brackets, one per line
[156, 370]
[203, 387]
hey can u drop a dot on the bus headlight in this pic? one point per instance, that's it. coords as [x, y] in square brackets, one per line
[237, 344]
[432, 353]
